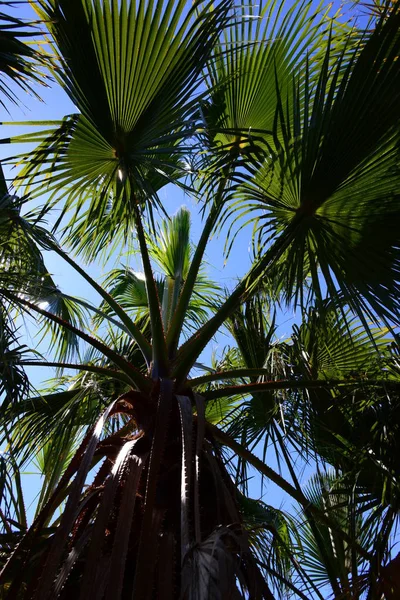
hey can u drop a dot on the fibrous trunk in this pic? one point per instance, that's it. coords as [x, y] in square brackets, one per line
[159, 519]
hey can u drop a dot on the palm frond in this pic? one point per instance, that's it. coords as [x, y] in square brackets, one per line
[270, 535]
[265, 43]
[329, 344]
[21, 65]
[13, 518]
[14, 382]
[170, 250]
[322, 553]
[131, 71]
[334, 178]
[52, 461]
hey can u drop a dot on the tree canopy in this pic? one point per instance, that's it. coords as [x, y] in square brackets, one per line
[281, 122]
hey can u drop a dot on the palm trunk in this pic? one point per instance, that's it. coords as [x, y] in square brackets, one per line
[159, 520]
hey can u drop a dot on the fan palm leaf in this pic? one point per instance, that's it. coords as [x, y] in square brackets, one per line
[341, 424]
[333, 177]
[324, 556]
[266, 42]
[131, 71]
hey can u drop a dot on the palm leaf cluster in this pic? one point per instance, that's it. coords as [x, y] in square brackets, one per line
[21, 65]
[281, 121]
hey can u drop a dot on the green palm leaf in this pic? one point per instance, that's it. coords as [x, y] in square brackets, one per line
[266, 42]
[14, 383]
[131, 70]
[23, 271]
[13, 518]
[330, 345]
[270, 533]
[20, 64]
[52, 461]
[362, 421]
[323, 554]
[332, 178]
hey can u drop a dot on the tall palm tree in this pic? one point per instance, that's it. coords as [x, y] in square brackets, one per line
[257, 112]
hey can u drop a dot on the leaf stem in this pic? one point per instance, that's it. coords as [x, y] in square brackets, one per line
[265, 386]
[160, 361]
[79, 367]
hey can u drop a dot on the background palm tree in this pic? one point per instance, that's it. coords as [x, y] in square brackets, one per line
[256, 112]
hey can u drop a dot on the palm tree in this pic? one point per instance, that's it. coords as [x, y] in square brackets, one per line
[257, 113]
